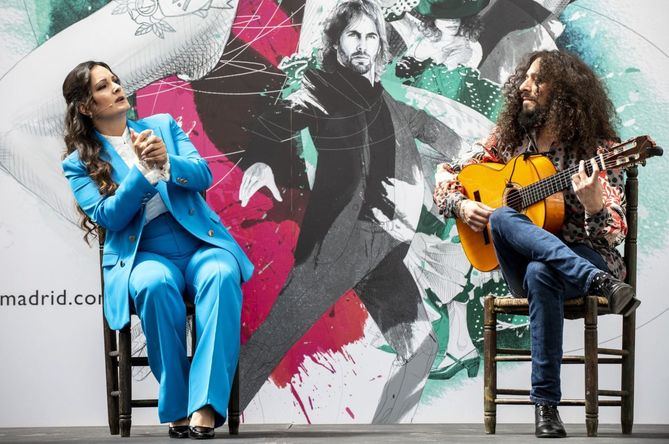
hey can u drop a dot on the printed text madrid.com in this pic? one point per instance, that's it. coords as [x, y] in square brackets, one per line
[51, 298]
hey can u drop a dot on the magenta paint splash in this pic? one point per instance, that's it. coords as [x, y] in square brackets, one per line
[269, 244]
[267, 28]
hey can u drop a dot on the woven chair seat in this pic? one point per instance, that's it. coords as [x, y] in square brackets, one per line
[574, 308]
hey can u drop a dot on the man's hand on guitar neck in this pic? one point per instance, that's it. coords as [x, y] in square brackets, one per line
[474, 214]
[588, 189]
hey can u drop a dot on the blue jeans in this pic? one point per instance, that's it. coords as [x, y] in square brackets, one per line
[547, 271]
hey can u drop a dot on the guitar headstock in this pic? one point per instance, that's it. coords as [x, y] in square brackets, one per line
[632, 152]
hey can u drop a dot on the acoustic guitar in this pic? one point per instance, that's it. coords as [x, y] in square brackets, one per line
[530, 184]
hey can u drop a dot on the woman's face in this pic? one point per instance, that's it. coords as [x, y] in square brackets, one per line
[108, 96]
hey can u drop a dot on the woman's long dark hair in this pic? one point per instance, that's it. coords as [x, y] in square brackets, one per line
[470, 27]
[579, 109]
[80, 135]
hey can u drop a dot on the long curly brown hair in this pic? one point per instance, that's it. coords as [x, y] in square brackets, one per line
[80, 135]
[579, 110]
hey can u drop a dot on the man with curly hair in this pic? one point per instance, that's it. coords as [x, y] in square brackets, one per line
[555, 106]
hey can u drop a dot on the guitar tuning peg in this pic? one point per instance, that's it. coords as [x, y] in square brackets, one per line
[643, 163]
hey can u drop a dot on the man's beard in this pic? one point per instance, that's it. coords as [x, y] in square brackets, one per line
[534, 118]
[348, 62]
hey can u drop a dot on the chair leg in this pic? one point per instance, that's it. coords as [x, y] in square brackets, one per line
[125, 383]
[193, 336]
[627, 380]
[490, 366]
[111, 374]
[233, 406]
[591, 367]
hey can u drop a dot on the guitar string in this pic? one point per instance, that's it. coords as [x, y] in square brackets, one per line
[533, 193]
[530, 194]
[536, 192]
[540, 190]
[560, 180]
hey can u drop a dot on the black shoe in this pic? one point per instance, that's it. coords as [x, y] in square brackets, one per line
[620, 295]
[200, 432]
[178, 432]
[547, 422]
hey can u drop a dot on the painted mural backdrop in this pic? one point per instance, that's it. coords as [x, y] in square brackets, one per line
[340, 260]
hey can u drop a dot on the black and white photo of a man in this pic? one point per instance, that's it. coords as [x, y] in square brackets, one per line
[363, 208]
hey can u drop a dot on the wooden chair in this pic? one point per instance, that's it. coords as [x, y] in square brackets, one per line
[588, 308]
[118, 366]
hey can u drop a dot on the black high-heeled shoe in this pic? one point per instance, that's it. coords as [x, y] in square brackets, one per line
[179, 432]
[200, 432]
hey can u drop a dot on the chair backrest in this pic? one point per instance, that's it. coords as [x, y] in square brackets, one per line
[101, 246]
[632, 197]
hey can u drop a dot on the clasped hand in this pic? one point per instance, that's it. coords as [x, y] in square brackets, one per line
[149, 148]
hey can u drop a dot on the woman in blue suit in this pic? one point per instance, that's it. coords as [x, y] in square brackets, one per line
[141, 181]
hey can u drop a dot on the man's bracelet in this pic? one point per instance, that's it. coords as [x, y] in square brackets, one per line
[459, 209]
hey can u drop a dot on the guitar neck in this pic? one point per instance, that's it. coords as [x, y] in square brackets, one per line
[548, 186]
[622, 155]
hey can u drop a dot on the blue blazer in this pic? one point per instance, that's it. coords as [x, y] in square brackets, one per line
[122, 215]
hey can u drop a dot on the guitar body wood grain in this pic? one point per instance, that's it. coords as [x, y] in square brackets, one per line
[495, 184]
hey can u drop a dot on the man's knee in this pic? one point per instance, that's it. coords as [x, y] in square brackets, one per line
[500, 218]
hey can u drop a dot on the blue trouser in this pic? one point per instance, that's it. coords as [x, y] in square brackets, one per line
[170, 261]
[542, 267]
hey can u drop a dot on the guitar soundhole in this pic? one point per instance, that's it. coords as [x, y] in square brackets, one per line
[513, 199]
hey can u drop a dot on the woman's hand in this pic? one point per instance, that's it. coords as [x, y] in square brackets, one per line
[149, 148]
[588, 190]
[474, 214]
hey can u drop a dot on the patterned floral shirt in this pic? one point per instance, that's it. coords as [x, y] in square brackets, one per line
[602, 231]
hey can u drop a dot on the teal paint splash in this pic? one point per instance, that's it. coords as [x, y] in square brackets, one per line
[463, 85]
[49, 17]
[617, 55]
